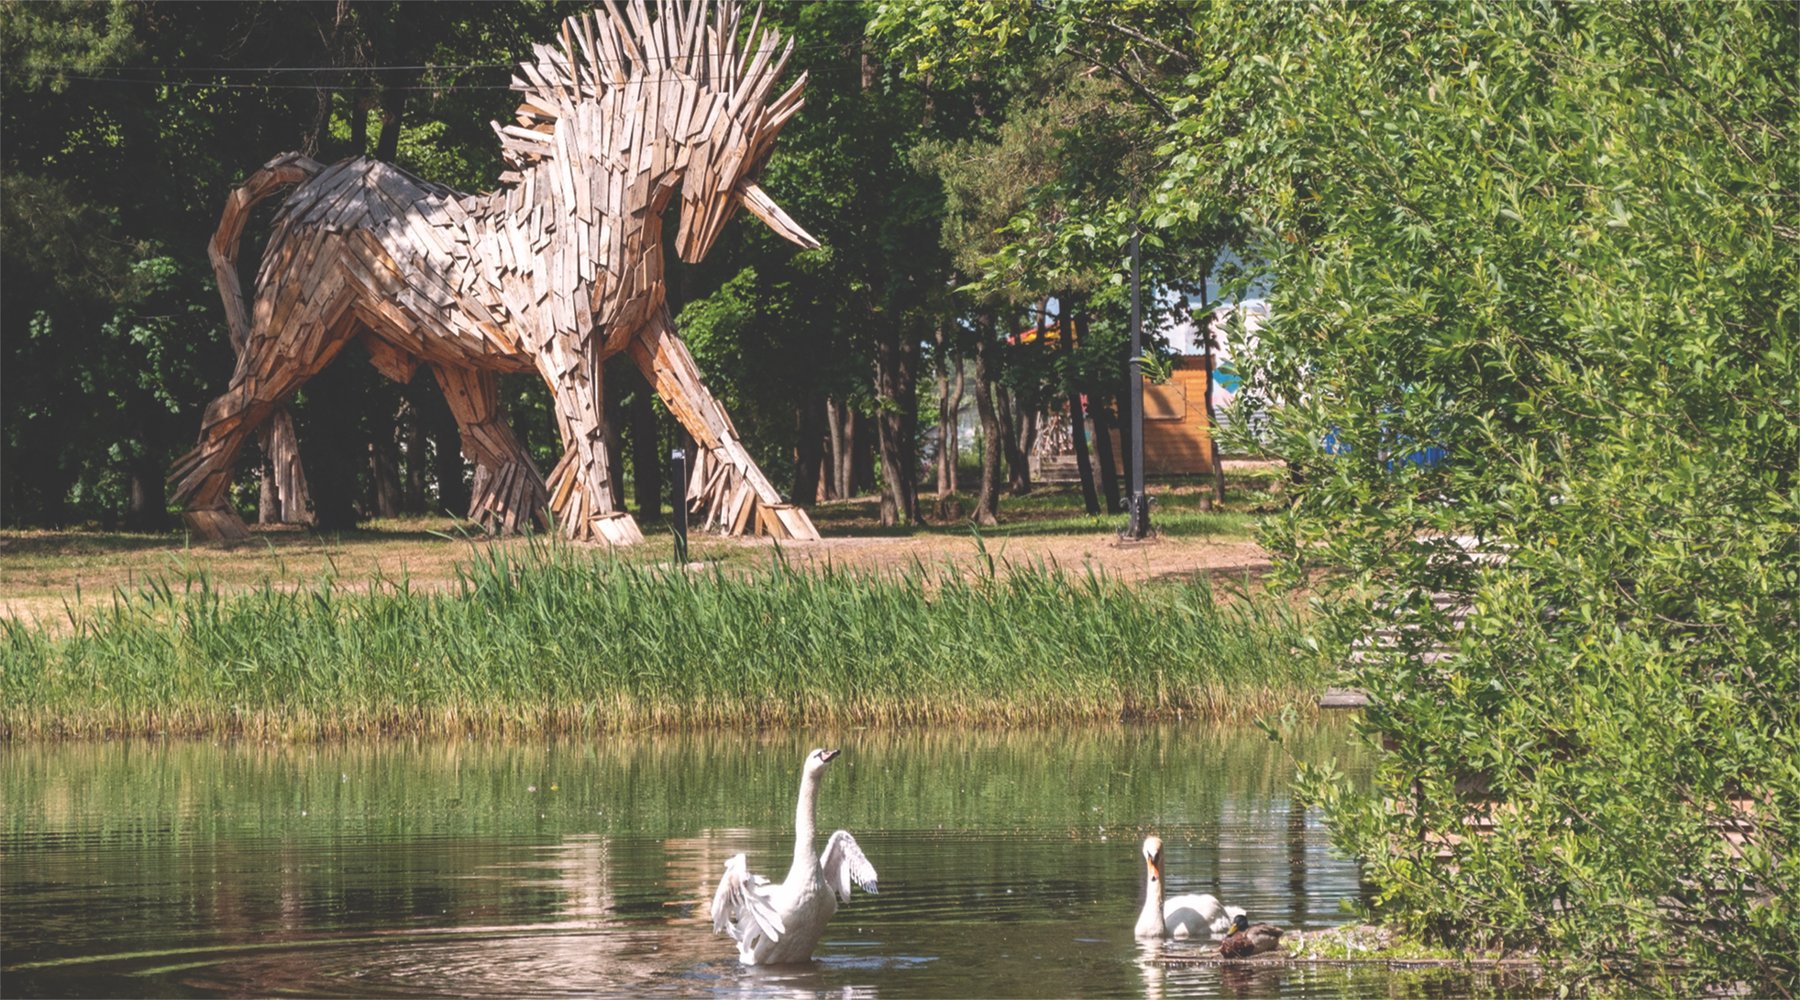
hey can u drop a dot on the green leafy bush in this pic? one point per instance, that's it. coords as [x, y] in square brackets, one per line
[1558, 243]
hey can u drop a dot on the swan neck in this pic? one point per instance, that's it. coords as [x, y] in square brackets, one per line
[805, 861]
[1150, 919]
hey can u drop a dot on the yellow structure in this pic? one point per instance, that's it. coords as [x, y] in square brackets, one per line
[1177, 435]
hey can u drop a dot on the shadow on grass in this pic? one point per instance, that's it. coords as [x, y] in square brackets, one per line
[1054, 511]
[1049, 510]
[59, 543]
[82, 543]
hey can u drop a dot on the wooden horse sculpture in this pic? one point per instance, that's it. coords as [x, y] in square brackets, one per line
[559, 270]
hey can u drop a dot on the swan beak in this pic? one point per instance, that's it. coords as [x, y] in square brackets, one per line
[829, 755]
[1155, 869]
[763, 207]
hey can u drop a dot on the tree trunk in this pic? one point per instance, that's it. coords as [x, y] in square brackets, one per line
[950, 397]
[328, 429]
[387, 144]
[384, 474]
[147, 506]
[312, 144]
[1104, 425]
[1083, 464]
[910, 346]
[1103, 452]
[809, 447]
[956, 401]
[646, 453]
[1012, 428]
[987, 365]
[268, 500]
[1120, 464]
[1077, 418]
[447, 458]
[1129, 396]
[946, 421]
[896, 421]
[412, 492]
[359, 125]
[862, 454]
[384, 468]
[1029, 437]
[837, 458]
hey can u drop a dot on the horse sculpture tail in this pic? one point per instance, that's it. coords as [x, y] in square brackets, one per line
[285, 170]
[279, 445]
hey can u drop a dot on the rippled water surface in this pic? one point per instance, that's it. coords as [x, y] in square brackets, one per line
[1009, 864]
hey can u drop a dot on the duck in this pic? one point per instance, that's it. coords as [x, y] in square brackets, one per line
[1247, 939]
[1179, 916]
[781, 923]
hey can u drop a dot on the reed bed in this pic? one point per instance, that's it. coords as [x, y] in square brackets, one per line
[547, 639]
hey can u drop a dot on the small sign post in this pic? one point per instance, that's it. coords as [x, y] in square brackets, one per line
[678, 496]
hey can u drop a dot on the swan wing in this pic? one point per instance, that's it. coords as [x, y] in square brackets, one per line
[843, 863]
[1194, 914]
[741, 905]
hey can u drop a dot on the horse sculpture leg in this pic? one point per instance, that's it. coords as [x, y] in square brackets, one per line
[580, 485]
[727, 487]
[509, 491]
[292, 501]
[265, 377]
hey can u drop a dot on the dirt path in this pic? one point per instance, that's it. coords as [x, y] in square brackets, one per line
[1163, 559]
[44, 574]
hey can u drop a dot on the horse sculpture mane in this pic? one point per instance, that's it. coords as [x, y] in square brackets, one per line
[613, 52]
[556, 271]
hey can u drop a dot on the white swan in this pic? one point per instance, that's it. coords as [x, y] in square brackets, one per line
[1180, 916]
[773, 923]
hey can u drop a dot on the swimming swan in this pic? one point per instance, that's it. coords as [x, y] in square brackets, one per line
[773, 923]
[1182, 916]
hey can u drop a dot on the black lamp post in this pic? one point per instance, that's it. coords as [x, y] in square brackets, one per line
[678, 494]
[1138, 505]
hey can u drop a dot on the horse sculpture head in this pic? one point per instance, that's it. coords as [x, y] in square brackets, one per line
[681, 95]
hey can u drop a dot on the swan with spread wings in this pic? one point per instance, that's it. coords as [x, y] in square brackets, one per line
[780, 922]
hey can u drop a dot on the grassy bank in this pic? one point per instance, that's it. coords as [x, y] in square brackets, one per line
[543, 638]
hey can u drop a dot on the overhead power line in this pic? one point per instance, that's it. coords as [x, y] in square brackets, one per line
[109, 72]
[274, 69]
[228, 85]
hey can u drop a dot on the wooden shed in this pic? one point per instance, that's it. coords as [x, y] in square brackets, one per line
[1177, 434]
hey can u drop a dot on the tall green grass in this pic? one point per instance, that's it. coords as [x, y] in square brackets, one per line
[552, 639]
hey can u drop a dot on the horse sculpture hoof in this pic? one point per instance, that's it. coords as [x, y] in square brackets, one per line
[219, 524]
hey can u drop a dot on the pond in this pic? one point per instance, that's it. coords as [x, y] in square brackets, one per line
[1008, 860]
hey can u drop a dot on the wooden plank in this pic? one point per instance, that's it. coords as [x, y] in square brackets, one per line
[1343, 698]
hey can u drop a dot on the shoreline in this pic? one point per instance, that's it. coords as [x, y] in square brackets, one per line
[1366, 946]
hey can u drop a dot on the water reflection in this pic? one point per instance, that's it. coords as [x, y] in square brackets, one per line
[1009, 864]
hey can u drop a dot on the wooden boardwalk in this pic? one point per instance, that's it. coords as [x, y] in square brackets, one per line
[1386, 640]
